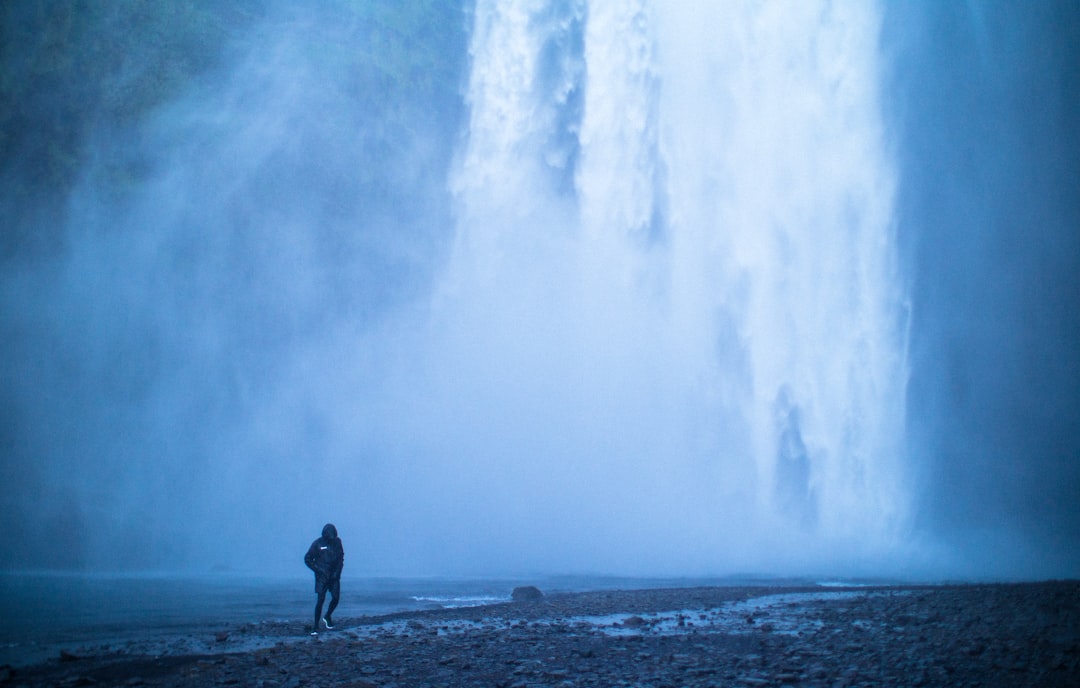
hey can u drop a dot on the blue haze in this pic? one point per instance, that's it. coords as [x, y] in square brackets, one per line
[283, 296]
[985, 106]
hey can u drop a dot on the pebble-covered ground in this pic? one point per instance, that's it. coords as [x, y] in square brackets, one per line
[969, 635]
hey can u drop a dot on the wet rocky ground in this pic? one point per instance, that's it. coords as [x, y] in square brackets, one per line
[968, 635]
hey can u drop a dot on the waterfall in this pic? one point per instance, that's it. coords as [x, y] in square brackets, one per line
[672, 312]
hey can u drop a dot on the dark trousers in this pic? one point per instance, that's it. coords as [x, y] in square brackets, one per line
[322, 587]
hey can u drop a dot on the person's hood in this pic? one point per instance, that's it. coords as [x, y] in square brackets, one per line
[329, 531]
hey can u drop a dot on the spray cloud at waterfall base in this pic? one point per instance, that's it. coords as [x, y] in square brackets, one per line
[679, 339]
[602, 288]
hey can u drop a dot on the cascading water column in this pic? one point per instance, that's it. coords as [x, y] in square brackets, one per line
[778, 171]
[671, 321]
[774, 147]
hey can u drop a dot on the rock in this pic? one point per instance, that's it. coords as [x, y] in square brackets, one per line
[633, 622]
[222, 636]
[66, 656]
[527, 593]
[818, 673]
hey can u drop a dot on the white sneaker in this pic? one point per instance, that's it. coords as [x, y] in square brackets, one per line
[326, 624]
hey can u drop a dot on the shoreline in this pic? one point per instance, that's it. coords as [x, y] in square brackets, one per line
[1008, 634]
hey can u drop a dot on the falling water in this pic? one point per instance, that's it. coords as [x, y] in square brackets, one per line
[633, 307]
[672, 323]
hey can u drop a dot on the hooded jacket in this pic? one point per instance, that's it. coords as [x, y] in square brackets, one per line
[326, 556]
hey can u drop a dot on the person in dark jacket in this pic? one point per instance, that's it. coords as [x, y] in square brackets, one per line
[326, 557]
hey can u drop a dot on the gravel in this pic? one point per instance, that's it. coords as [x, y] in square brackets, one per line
[965, 635]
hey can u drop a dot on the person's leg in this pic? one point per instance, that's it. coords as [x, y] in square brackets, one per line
[335, 593]
[318, 609]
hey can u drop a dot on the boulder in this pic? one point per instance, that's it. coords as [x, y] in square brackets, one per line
[527, 593]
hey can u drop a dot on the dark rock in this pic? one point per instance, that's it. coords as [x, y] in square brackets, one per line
[527, 593]
[66, 656]
[222, 636]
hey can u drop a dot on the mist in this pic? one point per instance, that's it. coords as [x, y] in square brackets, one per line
[538, 288]
[985, 104]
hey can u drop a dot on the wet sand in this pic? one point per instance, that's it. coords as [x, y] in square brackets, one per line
[967, 635]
